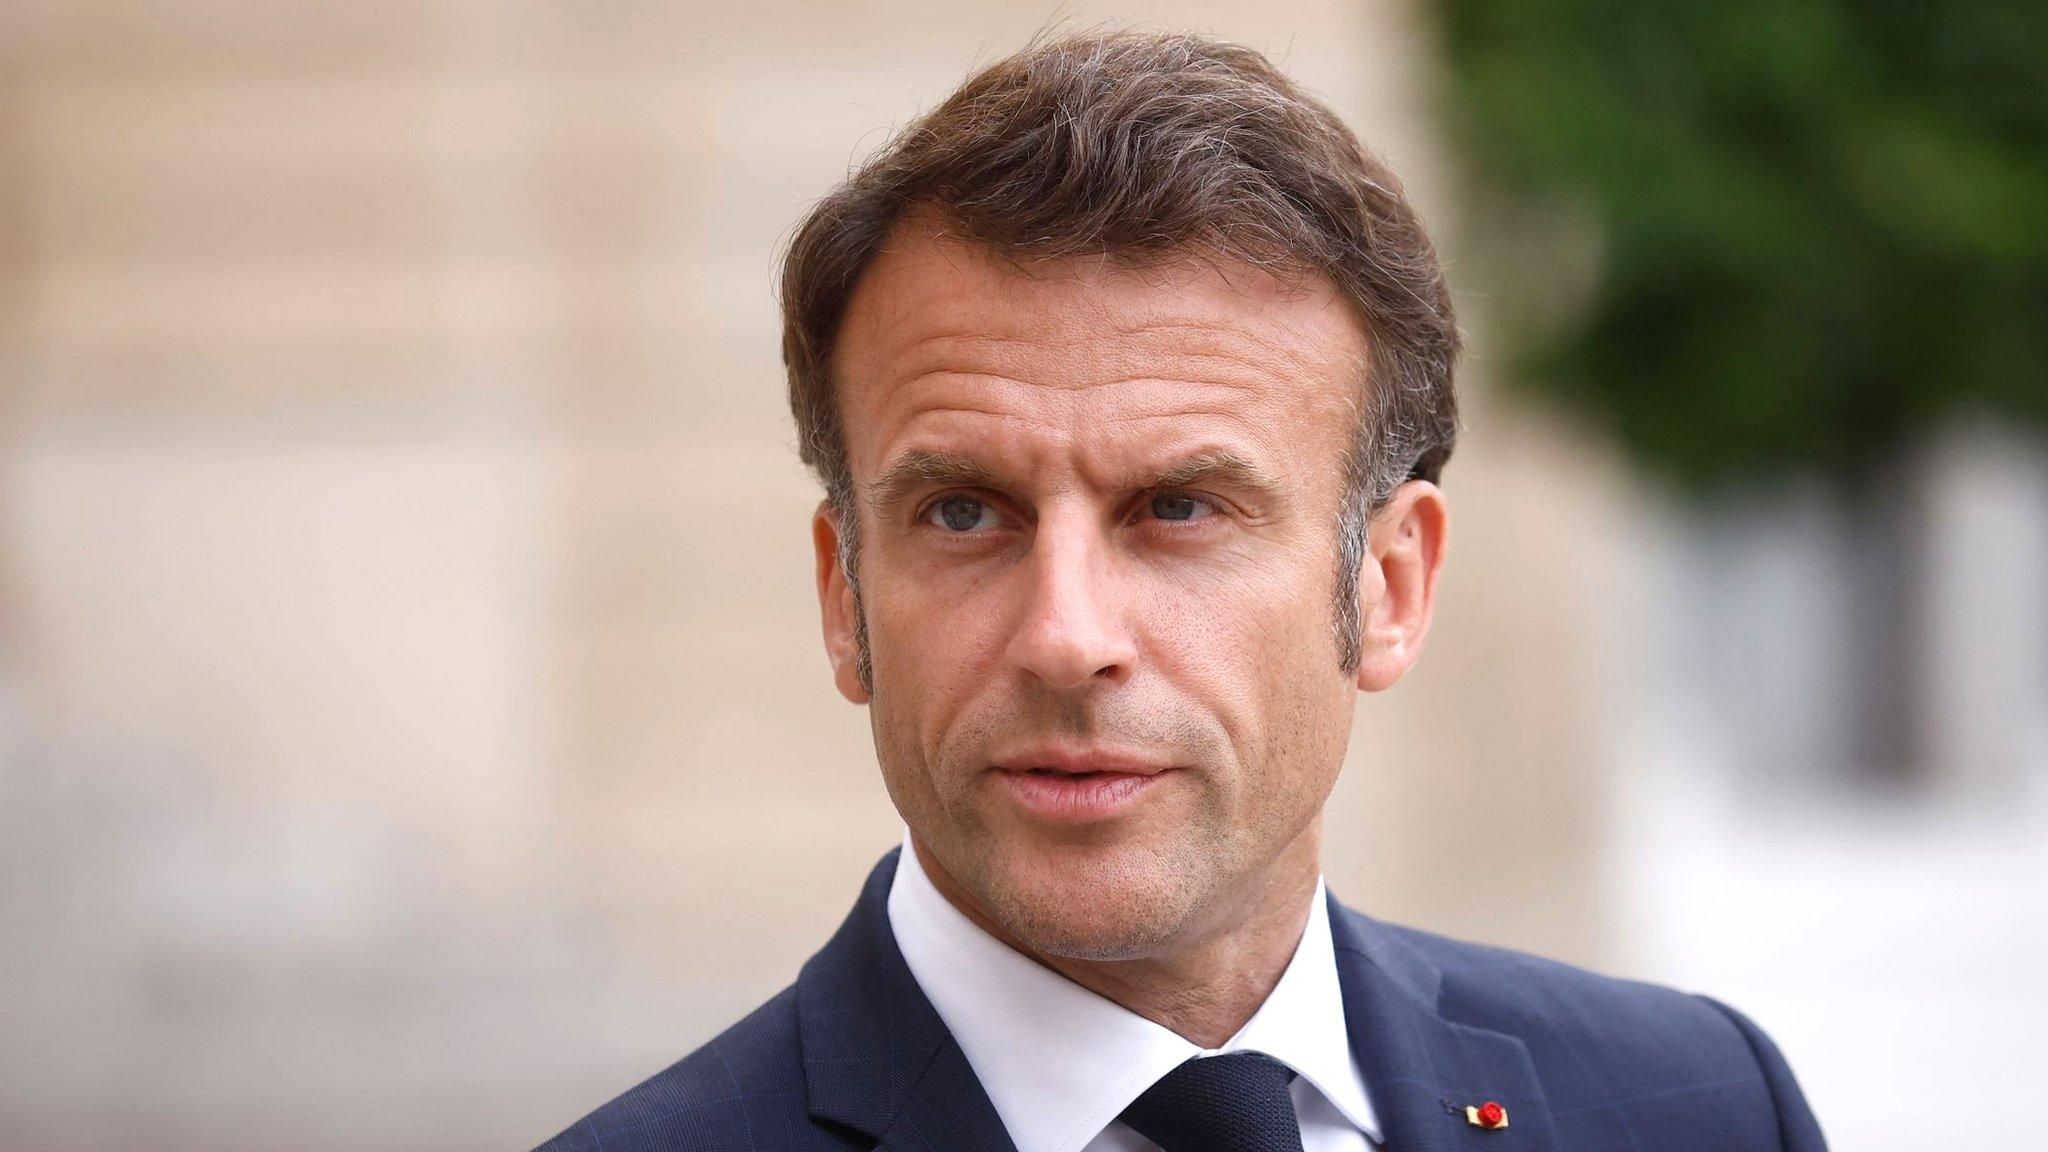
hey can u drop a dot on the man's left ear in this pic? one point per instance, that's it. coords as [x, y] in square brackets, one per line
[1397, 581]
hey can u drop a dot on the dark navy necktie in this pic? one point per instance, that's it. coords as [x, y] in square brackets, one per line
[1233, 1103]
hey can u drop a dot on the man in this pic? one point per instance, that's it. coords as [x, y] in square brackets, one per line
[1127, 373]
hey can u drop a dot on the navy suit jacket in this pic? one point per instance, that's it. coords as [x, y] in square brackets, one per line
[852, 1056]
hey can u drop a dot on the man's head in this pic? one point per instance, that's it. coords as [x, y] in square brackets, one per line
[1127, 374]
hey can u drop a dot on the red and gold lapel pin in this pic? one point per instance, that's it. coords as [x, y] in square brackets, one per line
[1487, 1115]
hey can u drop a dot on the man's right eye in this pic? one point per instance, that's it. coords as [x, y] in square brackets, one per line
[961, 514]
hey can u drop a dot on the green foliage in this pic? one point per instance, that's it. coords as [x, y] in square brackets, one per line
[1818, 227]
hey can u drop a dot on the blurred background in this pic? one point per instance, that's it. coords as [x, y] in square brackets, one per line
[413, 724]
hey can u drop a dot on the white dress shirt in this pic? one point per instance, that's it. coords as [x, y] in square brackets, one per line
[1060, 1062]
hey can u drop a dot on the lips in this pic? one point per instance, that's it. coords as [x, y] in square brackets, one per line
[1080, 762]
[1078, 785]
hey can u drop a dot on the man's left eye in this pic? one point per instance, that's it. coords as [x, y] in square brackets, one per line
[1180, 506]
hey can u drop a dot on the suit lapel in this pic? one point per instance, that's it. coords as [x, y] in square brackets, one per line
[876, 1057]
[1421, 1068]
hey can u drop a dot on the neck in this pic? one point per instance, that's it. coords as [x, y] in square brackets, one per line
[1206, 984]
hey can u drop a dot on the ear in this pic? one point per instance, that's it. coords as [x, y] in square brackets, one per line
[1397, 582]
[835, 605]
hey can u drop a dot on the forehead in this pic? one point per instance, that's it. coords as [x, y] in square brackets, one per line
[945, 339]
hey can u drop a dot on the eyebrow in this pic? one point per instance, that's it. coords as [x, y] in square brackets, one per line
[1217, 469]
[1213, 468]
[914, 470]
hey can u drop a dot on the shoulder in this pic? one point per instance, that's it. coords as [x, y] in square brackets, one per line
[1529, 995]
[743, 1089]
[1623, 1051]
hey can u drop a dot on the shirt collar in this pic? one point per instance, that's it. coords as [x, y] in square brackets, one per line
[1060, 1062]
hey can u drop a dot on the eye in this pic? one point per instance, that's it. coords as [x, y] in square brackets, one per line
[961, 514]
[1180, 506]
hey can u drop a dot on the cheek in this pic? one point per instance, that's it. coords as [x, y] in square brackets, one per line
[1256, 624]
[1257, 647]
[936, 646]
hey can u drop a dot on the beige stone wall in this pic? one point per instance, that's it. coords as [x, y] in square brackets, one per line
[413, 718]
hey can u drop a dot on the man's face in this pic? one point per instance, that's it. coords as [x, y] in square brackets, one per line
[1097, 513]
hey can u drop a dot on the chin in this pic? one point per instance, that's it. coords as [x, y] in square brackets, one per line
[1098, 902]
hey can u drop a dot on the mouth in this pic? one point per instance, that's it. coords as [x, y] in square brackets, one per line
[1080, 762]
[1078, 788]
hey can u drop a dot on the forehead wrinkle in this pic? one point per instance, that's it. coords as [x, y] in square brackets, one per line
[1102, 449]
[1252, 317]
[1214, 370]
[1219, 335]
[938, 378]
[1235, 354]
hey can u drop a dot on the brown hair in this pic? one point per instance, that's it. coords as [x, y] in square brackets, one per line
[1149, 146]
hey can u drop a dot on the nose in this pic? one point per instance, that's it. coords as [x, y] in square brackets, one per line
[1072, 631]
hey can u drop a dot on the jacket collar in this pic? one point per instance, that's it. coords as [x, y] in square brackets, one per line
[876, 1057]
[1423, 1067]
[878, 1060]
